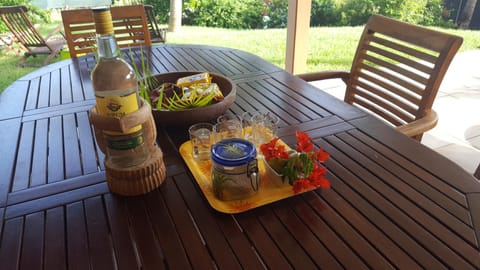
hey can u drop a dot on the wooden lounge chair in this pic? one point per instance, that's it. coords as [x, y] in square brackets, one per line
[129, 23]
[157, 34]
[396, 73]
[17, 21]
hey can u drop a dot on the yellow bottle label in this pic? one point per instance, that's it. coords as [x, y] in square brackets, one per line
[118, 106]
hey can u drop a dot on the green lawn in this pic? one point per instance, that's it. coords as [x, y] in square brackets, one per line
[329, 47]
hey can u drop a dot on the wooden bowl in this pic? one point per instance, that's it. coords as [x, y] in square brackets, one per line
[202, 114]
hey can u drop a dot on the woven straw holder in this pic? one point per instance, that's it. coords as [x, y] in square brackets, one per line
[139, 179]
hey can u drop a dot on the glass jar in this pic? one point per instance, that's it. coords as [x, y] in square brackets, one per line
[235, 169]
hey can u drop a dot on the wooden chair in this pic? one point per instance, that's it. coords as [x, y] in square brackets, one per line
[157, 34]
[129, 23]
[396, 72]
[17, 21]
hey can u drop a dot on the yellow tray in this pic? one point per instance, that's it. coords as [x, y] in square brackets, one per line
[268, 192]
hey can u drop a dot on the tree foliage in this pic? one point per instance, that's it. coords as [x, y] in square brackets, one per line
[251, 14]
[244, 14]
[36, 15]
[424, 12]
[161, 9]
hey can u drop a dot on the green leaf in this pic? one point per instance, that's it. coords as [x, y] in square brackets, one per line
[307, 164]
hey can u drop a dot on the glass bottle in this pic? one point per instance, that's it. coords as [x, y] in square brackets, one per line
[116, 93]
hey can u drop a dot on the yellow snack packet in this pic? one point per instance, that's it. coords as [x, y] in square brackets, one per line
[196, 78]
[204, 89]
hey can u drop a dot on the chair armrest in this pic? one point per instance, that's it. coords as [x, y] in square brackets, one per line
[55, 31]
[419, 126]
[323, 75]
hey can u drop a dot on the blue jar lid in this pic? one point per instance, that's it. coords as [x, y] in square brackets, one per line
[233, 152]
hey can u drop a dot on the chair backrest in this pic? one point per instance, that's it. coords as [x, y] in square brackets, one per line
[398, 68]
[19, 24]
[129, 23]
[157, 34]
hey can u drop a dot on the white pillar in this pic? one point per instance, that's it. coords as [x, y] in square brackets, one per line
[298, 23]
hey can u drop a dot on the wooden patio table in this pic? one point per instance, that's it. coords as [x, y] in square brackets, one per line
[394, 203]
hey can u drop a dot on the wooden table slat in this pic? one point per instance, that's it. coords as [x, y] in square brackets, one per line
[55, 150]
[40, 154]
[81, 81]
[451, 173]
[359, 211]
[240, 242]
[32, 242]
[404, 212]
[11, 243]
[221, 252]
[55, 88]
[33, 94]
[55, 200]
[305, 237]
[100, 242]
[124, 245]
[55, 239]
[296, 99]
[72, 156]
[44, 92]
[328, 102]
[168, 62]
[92, 157]
[150, 252]
[241, 66]
[317, 223]
[444, 189]
[290, 248]
[253, 61]
[59, 110]
[285, 102]
[24, 157]
[183, 225]
[166, 230]
[66, 86]
[37, 192]
[433, 201]
[205, 63]
[77, 243]
[13, 100]
[268, 251]
[11, 134]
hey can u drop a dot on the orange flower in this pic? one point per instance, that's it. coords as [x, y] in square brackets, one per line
[272, 150]
[304, 143]
[302, 168]
[301, 184]
[322, 156]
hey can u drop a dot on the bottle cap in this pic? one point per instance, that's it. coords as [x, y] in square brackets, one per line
[103, 20]
[233, 152]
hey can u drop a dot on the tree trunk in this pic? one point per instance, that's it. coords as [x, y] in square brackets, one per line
[467, 13]
[175, 20]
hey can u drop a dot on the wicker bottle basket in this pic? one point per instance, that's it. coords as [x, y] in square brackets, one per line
[139, 179]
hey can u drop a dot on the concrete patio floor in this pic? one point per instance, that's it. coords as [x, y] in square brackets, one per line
[457, 135]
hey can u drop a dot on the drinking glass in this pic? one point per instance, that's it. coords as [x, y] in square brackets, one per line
[201, 139]
[264, 127]
[227, 130]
